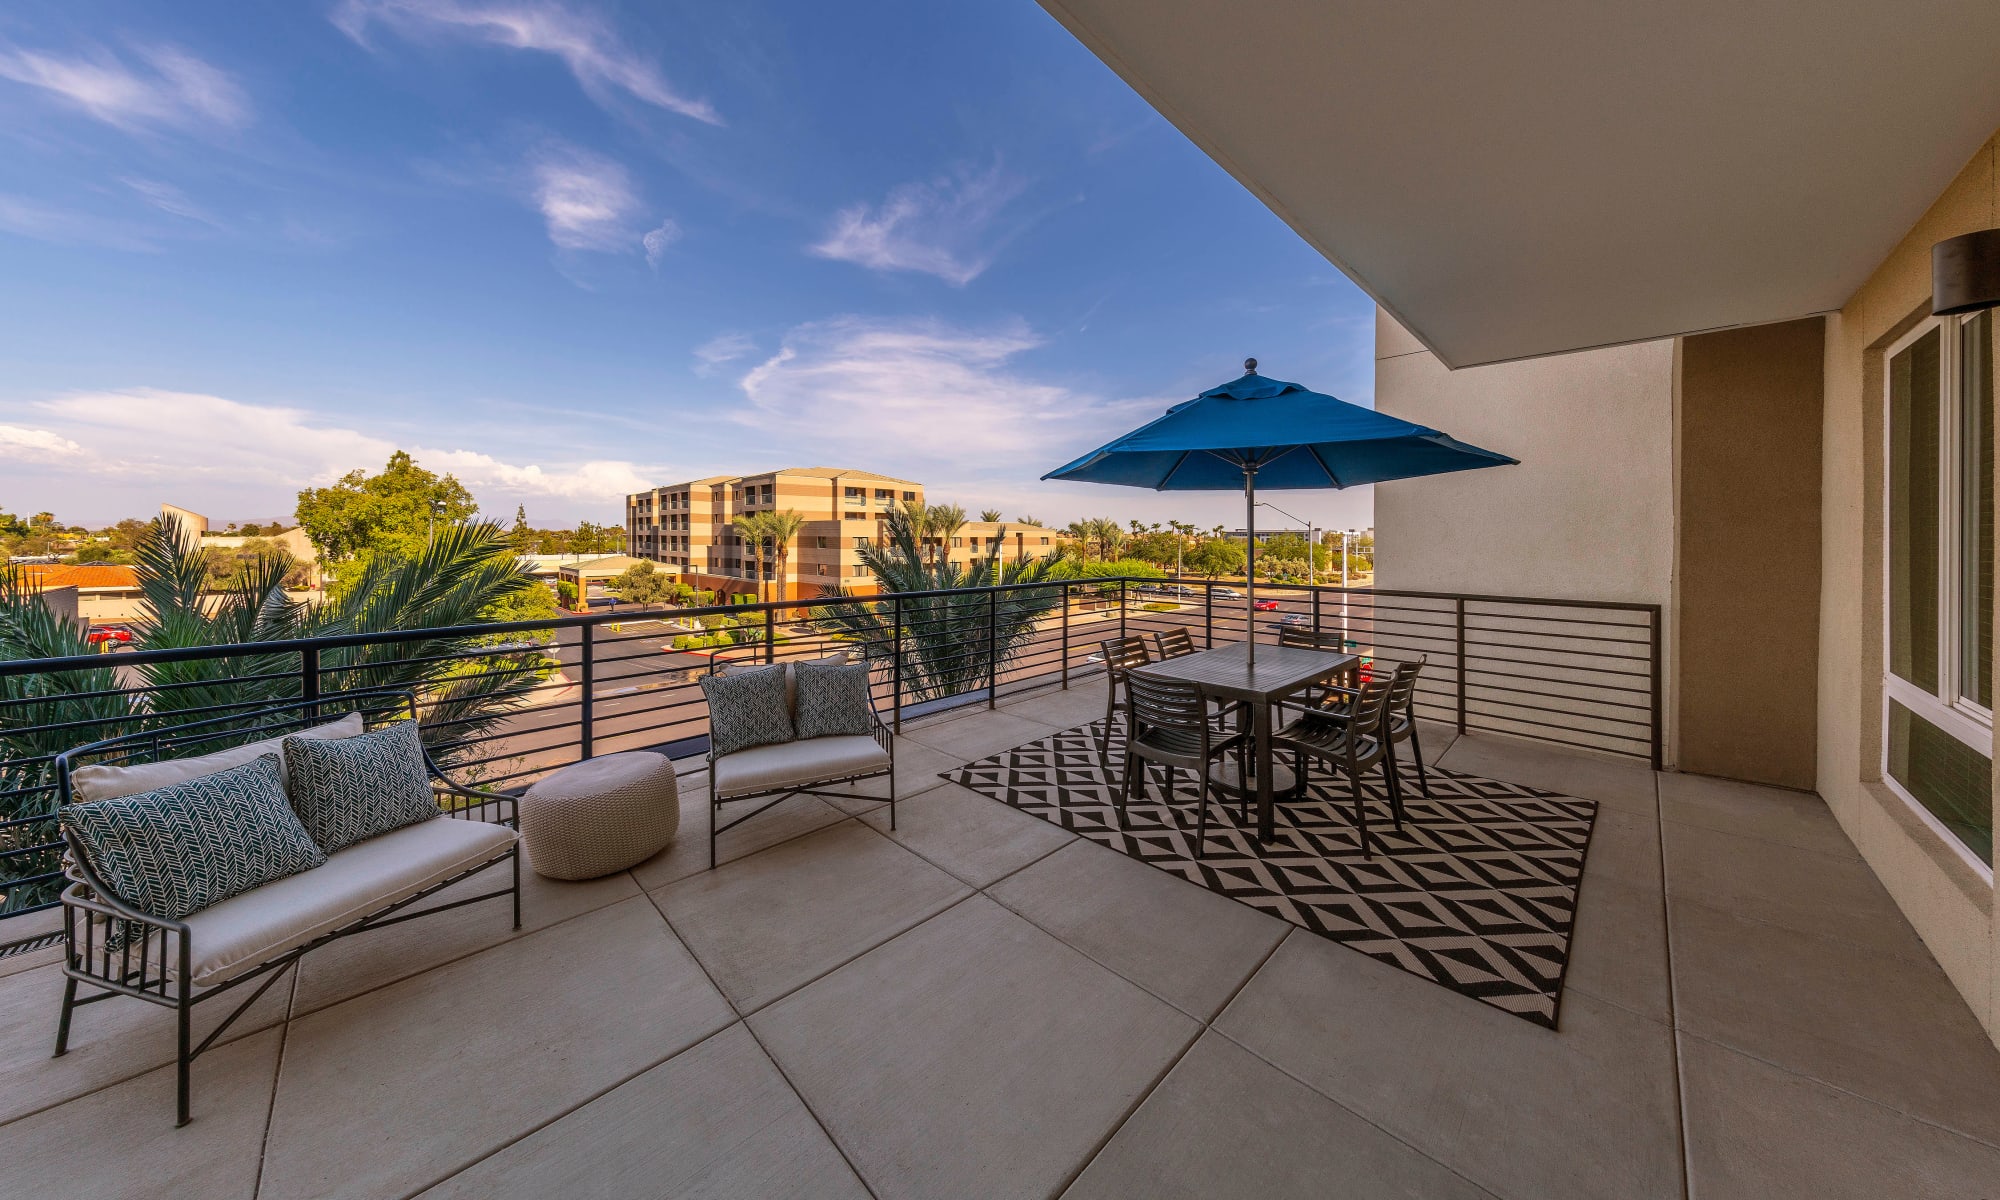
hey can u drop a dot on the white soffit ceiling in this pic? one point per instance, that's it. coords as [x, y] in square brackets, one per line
[1518, 179]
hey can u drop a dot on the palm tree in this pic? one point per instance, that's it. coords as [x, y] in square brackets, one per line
[1107, 535]
[1082, 533]
[944, 638]
[989, 515]
[751, 530]
[464, 682]
[781, 528]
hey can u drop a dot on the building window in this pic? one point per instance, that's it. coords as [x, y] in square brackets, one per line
[861, 543]
[822, 568]
[909, 495]
[855, 493]
[1938, 710]
[859, 569]
[821, 541]
[1045, 541]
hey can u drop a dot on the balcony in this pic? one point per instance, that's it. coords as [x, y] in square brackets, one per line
[983, 1003]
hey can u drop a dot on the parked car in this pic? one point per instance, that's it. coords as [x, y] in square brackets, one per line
[1266, 606]
[110, 635]
[1296, 621]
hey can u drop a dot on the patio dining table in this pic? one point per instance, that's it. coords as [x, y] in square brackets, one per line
[1227, 673]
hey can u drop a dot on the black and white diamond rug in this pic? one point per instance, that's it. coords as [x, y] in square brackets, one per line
[1477, 893]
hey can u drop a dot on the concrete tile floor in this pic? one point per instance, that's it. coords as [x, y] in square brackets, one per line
[978, 1006]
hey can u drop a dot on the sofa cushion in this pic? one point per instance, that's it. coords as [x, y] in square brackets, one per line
[102, 781]
[357, 882]
[816, 760]
[179, 849]
[832, 699]
[349, 790]
[747, 708]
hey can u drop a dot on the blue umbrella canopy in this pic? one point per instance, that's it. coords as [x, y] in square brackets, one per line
[1282, 435]
[1254, 432]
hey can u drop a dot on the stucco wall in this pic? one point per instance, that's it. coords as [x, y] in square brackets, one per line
[1589, 512]
[1747, 589]
[1948, 902]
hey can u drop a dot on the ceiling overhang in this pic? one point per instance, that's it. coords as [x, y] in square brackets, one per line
[1514, 180]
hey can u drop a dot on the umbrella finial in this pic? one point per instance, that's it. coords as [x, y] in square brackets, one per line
[1249, 366]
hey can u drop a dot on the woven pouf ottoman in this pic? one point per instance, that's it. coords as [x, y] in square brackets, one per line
[600, 815]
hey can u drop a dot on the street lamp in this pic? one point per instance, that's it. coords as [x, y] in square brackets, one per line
[1312, 564]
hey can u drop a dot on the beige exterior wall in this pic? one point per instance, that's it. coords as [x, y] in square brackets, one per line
[1947, 900]
[689, 527]
[1589, 512]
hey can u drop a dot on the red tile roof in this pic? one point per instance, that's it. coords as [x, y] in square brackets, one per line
[42, 576]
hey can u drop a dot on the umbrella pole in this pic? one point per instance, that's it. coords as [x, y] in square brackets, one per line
[1250, 558]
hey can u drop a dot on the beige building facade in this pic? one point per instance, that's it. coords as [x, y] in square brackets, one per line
[690, 528]
[1811, 501]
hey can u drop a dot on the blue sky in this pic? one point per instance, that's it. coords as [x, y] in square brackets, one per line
[569, 250]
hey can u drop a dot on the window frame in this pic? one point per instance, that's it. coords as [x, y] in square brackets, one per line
[1961, 717]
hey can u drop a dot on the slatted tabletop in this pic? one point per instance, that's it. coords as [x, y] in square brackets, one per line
[1225, 672]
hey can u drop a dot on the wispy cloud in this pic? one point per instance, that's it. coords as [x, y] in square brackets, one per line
[605, 69]
[721, 350]
[945, 227]
[901, 376]
[66, 227]
[657, 239]
[169, 199]
[164, 87]
[136, 446]
[586, 199]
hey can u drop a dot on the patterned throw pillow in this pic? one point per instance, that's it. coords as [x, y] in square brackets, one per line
[350, 790]
[747, 708]
[188, 845]
[833, 699]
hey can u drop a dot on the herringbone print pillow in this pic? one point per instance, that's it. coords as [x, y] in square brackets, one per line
[183, 847]
[833, 699]
[350, 790]
[747, 708]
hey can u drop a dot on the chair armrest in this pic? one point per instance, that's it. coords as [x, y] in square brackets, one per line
[506, 804]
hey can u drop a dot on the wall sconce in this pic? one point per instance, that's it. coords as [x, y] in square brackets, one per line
[1965, 273]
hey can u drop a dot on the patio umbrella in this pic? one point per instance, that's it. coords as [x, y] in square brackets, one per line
[1255, 432]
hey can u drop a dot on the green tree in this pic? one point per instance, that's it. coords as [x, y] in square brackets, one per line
[1214, 557]
[521, 536]
[989, 515]
[754, 531]
[360, 516]
[782, 528]
[642, 584]
[592, 538]
[937, 631]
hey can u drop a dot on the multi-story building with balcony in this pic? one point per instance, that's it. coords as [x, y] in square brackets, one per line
[690, 527]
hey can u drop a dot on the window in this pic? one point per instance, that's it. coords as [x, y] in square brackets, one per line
[855, 493]
[1938, 710]
[822, 542]
[909, 495]
[1045, 541]
[957, 541]
[859, 569]
[822, 568]
[861, 543]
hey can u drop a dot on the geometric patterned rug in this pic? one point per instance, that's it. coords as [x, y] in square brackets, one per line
[1477, 893]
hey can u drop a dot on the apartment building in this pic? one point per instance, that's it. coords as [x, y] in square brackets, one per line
[690, 528]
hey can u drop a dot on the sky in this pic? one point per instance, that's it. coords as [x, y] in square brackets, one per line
[571, 250]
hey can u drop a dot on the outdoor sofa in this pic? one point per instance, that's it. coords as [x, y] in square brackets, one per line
[114, 948]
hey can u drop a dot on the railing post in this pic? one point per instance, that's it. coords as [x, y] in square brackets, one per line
[1653, 671]
[992, 648]
[1208, 615]
[896, 666]
[1065, 636]
[1459, 604]
[1315, 595]
[309, 681]
[771, 634]
[1121, 608]
[588, 682]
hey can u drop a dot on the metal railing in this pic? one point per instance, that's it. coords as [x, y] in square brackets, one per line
[1577, 673]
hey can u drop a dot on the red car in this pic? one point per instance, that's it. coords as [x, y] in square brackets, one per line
[108, 635]
[1266, 605]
